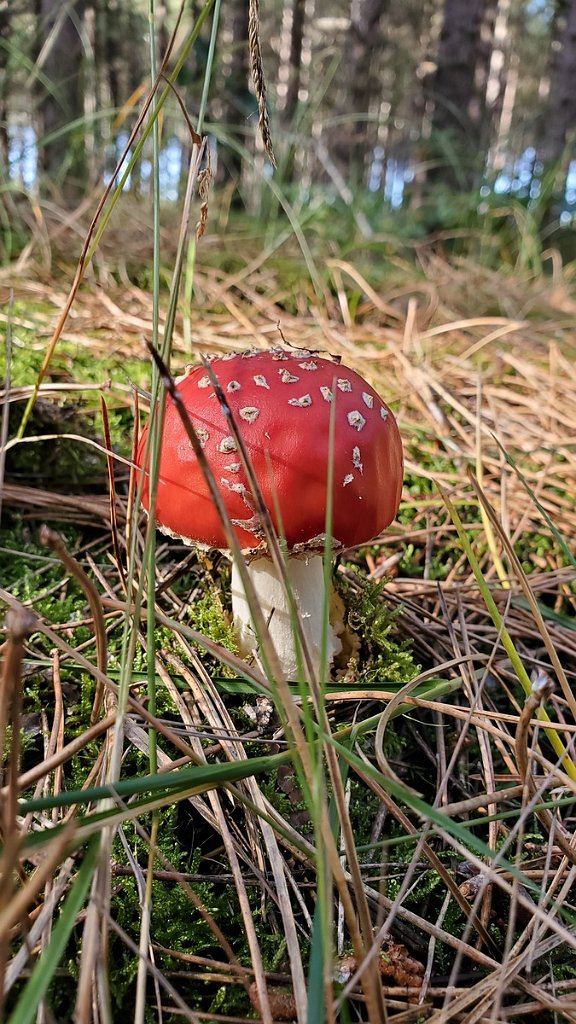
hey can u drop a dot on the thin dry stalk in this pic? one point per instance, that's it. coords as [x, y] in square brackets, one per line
[19, 625]
[49, 538]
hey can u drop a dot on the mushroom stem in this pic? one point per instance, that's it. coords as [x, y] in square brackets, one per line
[306, 578]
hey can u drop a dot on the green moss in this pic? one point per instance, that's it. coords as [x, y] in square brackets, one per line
[207, 615]
[388, 657]
[38, 579]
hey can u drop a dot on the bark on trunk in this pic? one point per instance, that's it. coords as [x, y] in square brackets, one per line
[4, 86]
[62, 157]
[561, 120]
[360, 84]
[363, 42]
[295, 60]
[238, 102]
[458, 91]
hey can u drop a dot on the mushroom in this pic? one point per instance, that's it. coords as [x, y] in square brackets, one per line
[281, 402]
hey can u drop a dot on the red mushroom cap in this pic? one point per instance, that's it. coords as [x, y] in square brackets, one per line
[280, 401]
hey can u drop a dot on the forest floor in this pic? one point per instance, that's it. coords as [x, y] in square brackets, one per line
[453, 721]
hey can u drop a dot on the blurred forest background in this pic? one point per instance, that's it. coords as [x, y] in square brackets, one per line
[437, 108]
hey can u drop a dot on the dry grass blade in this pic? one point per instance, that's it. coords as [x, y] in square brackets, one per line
[49, 538]
[113, 501]
[62, 756]
[19, 625]
[4, 424]
[542, 687]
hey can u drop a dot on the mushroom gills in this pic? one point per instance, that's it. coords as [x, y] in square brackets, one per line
[306, 578]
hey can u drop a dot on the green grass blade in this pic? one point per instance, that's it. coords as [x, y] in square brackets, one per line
[200, 777]
[570, 559]
[506, 639]
[316, 1002]
[50, 960]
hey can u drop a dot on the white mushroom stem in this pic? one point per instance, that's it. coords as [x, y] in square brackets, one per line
[306, 578]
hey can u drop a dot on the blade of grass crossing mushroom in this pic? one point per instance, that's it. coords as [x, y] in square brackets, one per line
[321, 972]
[276, 552]
[150, 561]
[285, 704]
[361, 938]
[270, 662]
[302, 661]
[507, 641]
[328, 552]
[338, 775]
[309, 682]
[269, 656]
[272, 539]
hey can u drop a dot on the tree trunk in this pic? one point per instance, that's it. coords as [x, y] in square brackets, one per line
[295, 59]
[561, 120]
[62, 151]
[364, 40]
[238, 102]
[118, 56]
[4, 85]
[458, 91]
[294, 84]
